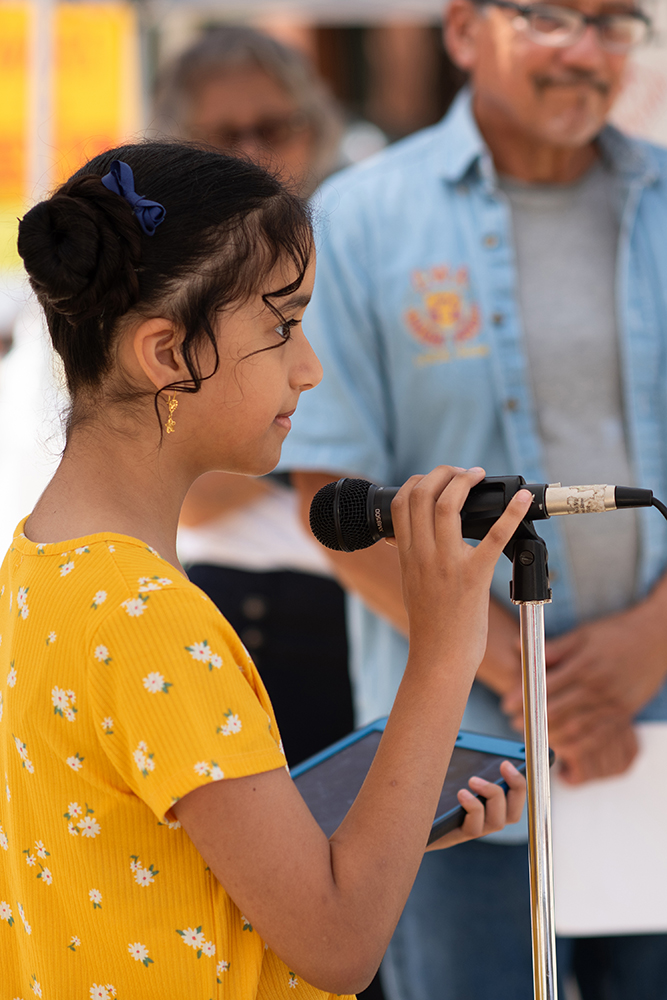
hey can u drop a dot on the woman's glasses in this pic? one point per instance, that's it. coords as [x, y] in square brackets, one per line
[557, 27]
[269, 132]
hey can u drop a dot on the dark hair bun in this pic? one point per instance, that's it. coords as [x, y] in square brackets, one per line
[81, 249]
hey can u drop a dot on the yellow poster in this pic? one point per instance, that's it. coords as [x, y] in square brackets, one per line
[94, 98]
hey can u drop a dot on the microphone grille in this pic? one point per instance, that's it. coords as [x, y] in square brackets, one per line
[355, 532]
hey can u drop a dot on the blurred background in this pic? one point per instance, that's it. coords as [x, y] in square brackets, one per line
[76, 77]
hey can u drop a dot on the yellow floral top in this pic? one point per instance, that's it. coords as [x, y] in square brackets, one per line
[122, 688]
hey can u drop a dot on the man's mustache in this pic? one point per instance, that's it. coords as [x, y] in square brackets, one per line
[572, 79]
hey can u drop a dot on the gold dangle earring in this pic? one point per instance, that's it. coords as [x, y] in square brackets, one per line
[170, 425]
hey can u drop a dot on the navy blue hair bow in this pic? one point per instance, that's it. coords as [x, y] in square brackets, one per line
[120, 180]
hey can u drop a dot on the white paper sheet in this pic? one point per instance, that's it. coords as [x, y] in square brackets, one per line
[610, 846]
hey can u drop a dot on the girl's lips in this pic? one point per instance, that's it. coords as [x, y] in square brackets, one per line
[283, 420]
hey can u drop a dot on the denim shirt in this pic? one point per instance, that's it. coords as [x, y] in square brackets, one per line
[416, 321]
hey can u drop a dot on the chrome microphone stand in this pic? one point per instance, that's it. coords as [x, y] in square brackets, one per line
[530, 591]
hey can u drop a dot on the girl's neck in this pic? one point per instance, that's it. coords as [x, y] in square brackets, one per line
[109, 482]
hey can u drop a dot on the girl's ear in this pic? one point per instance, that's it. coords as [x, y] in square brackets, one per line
[156, 347]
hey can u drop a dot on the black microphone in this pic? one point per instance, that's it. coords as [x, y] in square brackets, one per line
[354, 514]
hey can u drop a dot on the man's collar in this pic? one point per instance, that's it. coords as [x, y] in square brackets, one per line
[462, 142]
[463, 147]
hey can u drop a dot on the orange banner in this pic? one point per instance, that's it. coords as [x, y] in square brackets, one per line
[95, 96]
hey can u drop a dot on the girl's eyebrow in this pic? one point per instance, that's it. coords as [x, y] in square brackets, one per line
[295, 302]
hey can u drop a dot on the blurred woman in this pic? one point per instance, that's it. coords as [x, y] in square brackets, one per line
[243, 92]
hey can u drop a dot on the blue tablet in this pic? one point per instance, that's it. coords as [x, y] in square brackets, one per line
[330, 781]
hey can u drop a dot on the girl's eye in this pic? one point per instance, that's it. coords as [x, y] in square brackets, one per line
[284, 329]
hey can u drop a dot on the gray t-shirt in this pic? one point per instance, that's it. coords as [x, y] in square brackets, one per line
[566, 238]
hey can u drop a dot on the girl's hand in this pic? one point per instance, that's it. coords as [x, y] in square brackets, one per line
[491, 815]
[445, 580]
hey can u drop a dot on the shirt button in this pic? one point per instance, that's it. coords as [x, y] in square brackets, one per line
[491, 241]
[512, 404]
[254, 607]
[497, 319]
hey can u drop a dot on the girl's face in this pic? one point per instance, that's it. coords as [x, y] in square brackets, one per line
[239, 419]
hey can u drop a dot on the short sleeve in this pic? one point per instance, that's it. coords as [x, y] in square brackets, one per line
[177, 700]
[341, 425]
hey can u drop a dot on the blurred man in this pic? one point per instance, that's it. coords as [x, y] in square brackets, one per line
[491, 291]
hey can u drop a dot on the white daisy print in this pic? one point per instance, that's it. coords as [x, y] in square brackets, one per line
[194, 938]
[139, 953]
[6, 913]
[101, 653]
[45, 875]
[75, 762]
[148, 583]
[51, 638]
[4, 843]
[209, 769]
[40, 850]
[7, 791]
[220, 968]
[86, 826]
[30, 860]
[155, 682]
[26, 926]
[99, 992]
[11, 677]
[215, 660]
[143, 759]
[293, 981]
[23, 754]
[35, 987]
[74, 943]
[89, 826]
[66, 568]
[107, 726]
[231, 726]
[22, 602]
[63, 704]
[142, 876]
[200, 651]
[135, 606]
[95, 897]
[99, 598]
[247, 926]
[82, 551]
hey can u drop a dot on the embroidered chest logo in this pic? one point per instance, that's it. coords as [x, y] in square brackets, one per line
[442, 315]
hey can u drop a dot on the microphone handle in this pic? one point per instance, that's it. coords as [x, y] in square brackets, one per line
[489, 498]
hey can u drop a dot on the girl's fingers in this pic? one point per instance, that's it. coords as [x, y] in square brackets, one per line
[495, 809]
[516, 793]
[499, 535]
[450, 504]
[473, 824]
[412, 508]
[498, 808]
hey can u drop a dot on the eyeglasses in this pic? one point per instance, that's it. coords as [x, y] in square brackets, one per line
[270, 132]
[558, 27]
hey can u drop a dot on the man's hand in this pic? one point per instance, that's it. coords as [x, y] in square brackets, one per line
[598, 677]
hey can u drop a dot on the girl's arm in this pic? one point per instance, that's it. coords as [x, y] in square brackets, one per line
[329, 907]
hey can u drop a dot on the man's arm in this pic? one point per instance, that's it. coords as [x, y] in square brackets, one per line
[218, 493]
